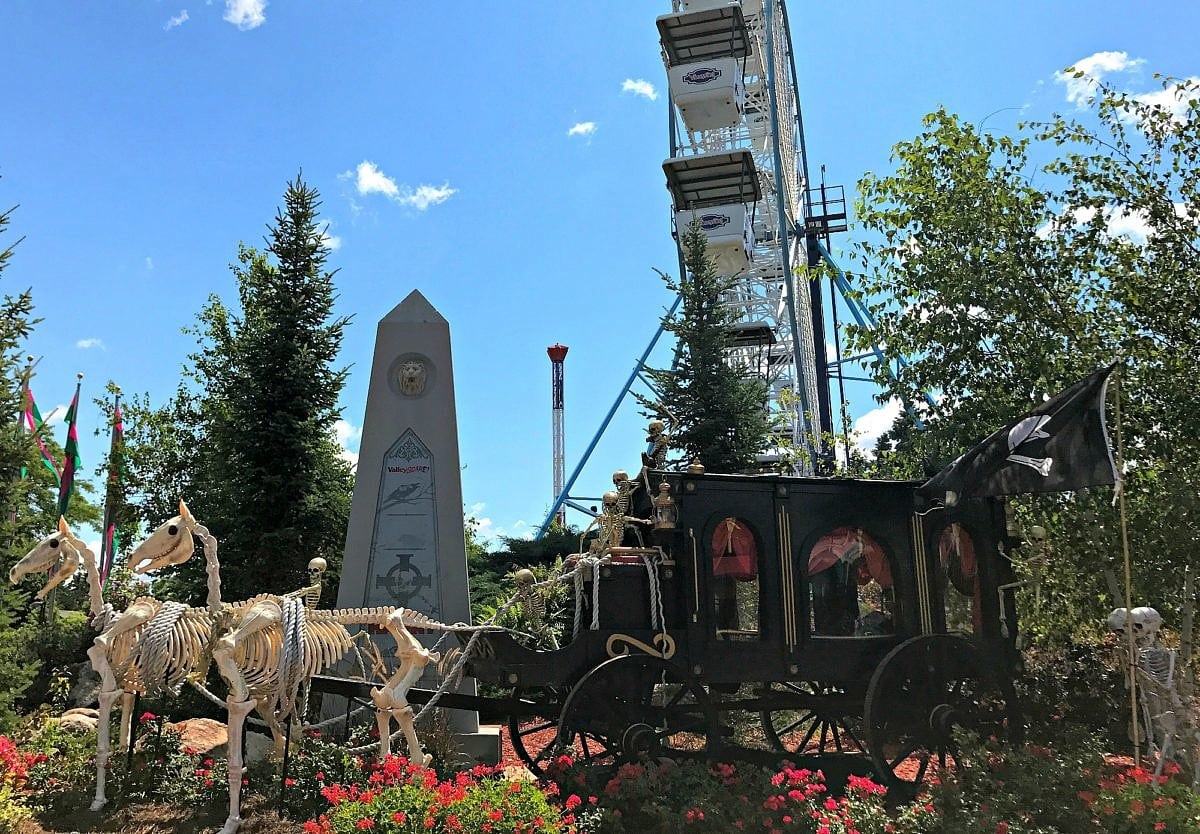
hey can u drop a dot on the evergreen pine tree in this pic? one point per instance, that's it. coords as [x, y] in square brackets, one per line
[24, 489]
[717, 412]
[256, 434]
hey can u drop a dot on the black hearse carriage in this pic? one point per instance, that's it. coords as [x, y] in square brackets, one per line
[848, 616]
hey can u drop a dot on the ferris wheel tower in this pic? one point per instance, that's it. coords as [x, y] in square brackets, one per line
[738, 166]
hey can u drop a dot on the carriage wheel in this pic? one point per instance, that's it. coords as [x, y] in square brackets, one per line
[824, 721]
[534, 736]
[920, 692]
[637, 707]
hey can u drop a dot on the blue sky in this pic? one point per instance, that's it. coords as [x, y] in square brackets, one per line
[502, 158]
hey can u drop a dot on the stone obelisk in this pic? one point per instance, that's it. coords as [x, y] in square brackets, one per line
[404, 546]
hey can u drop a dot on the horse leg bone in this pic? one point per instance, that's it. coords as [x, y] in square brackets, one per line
[413, 659]
[383, 719]
[107, 697]
[404, 717]
[238, 710]
[125, 735]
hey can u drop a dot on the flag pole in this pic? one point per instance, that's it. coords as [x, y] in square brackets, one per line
[108, 541]
[1133, 710]
[67, 485]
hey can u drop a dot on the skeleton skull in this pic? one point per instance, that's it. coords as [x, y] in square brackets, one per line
[619, 477]
[655, 430]
[524, 579]
[609, 500]
[316, 569]
[1144, 622]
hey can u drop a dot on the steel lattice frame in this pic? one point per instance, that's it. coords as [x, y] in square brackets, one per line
[766, 292]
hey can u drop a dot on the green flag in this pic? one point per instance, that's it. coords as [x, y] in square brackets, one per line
[70, 454]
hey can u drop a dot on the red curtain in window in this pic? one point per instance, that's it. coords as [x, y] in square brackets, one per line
[734, 551]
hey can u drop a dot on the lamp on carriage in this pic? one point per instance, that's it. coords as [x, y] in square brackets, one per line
[666, 514]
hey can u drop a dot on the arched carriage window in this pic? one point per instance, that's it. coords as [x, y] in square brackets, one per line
[958, 575]
[850, 585]
[735, 589]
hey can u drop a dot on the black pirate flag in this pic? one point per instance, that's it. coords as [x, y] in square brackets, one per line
[1061, 445]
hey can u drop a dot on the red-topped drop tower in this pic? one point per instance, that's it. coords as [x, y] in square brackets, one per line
[557, 354]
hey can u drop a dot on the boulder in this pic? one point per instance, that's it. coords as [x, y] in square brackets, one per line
[204, 735]
[258, 748]
[78, 721]
[85, 685]
[90, 712]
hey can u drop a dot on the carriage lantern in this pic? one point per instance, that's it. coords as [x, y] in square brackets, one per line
[665, 511]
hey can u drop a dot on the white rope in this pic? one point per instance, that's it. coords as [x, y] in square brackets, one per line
[152, 652]
[596, 595]
[292, 656]
[656, 613]
[577, 575]
[452, 678]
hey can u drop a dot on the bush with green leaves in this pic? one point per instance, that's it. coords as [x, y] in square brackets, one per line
[693, 796]
[399, 797]
[165, 771]
[538, 629]
[64, 774]
[1134, 801]
[314, 762]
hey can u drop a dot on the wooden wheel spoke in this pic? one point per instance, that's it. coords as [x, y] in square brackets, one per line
[908, 751]
[525, 731]
[678, 697]
[852, 737]
[922, 769]
[812, 731]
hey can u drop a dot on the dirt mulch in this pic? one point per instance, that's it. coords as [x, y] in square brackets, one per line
[257, 818]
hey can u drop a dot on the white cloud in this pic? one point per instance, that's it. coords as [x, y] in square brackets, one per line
[332, 242]
[347, 434]
[875, 422]
[1118, 222]
[489, 531]
[1093, 68]
[369, 179]
[639, 87]
[149, 263]
[246, 14]
[428, 195]
[176, 21]
[56, 415]
[1171, 98]
[1134, 225]
[88, 344]
[582, 129]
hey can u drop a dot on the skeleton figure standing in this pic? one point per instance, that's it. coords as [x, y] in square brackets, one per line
[1166, 719]
[655, 456]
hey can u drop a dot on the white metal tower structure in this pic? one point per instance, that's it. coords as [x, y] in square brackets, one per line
[737, 165]
[557, 354]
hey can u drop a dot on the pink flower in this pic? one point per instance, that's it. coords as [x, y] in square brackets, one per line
[364, 824]
[147, 716]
